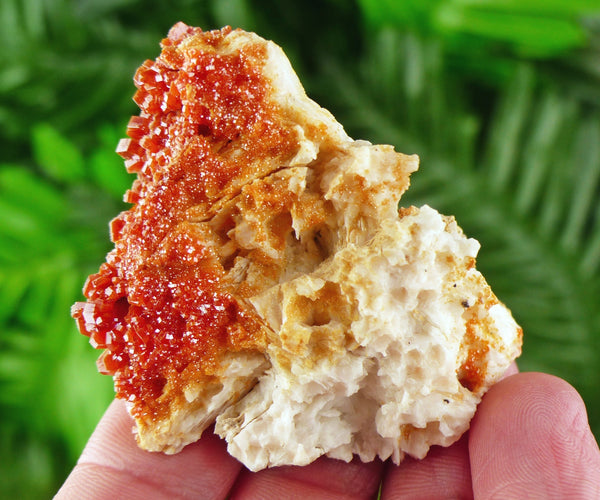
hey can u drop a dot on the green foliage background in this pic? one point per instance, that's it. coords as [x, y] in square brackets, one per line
[500, 98]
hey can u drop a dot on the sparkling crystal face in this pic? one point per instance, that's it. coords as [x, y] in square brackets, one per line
[159, 306]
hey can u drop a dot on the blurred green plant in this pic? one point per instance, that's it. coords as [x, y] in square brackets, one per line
[53, 232]
[500, 99]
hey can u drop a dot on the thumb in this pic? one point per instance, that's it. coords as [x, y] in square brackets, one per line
[531, 439]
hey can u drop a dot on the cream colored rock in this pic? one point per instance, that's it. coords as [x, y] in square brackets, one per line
[371, 353]
[378, 335]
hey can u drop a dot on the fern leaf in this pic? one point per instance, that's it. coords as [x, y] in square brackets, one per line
[58, 157]
[586, 161]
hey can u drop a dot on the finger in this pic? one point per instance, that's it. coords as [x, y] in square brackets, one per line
[113, 466]
[443, 473]
[323, 479]
[531, 438]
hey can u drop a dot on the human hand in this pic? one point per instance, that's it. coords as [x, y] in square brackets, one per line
[530, 438]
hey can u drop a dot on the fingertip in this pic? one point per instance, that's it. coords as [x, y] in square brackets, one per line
[323, 479]
[113, 466]
[531, 436]
[443, 472]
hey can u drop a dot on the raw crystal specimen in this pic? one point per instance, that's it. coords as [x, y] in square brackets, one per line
[265, 278]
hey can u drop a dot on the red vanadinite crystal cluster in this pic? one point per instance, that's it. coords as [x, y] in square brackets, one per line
[157, 306]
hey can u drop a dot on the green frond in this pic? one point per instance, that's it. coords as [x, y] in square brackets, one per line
[520, 27]
[586, 166]
[48, 245]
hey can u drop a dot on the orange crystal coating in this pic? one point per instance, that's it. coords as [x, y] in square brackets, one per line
[159, 305]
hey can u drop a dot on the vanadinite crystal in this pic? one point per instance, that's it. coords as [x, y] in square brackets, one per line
[159, 306]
